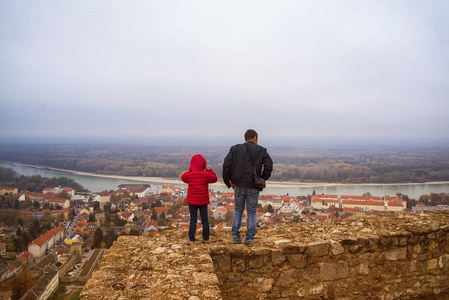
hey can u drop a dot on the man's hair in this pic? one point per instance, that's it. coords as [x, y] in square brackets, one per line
[250, 134]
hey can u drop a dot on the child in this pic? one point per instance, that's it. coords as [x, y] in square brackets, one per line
[198, 178]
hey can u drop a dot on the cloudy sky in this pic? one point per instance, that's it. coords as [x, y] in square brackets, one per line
[289, 69]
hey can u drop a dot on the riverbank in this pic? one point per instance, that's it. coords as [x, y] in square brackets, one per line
[270, 183]
[99, 182]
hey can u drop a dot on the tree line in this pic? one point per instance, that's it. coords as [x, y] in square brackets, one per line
[339, 165]
[35, 183]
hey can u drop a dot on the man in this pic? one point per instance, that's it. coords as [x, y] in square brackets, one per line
[238, 174]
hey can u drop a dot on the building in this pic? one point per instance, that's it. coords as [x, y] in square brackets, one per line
[45, 241]
[325, 201]
[38, 247]
[45, 287]
[292, 207]
[5, 190]
[64, 203]
[219, 213]
[2, 249]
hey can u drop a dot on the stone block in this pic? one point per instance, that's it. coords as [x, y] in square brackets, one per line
[301, 292]
[441, 235]
[431, 264]
[278, 258]
[364, 269]
[373, 243]
[235, 277]
[238, 265]
[287, 278]
[334, 271]
[257, 262]
[403, 241]
[222, 263]
[443, 263]
[297, 260]
[317, 289]
[367, 256]
[336, 248]
[286, 294]
[317, 249]
[354, 249]
[396, 254]
[413, 266]
[262, 285]
[290, 249]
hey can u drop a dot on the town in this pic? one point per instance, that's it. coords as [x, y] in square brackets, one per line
[59, 235]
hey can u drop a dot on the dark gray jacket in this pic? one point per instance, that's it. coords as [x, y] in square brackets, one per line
[237, 165]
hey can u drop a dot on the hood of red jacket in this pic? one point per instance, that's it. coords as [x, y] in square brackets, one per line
[198, 163]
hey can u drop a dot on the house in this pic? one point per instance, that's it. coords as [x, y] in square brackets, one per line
[293, 206]
[50, 239]
[21, 197]
[168, 202]
[104, 198]
[219, 213]
[135, 189]
[184, 211]
[48, 283]
[2, 249]
[100, 218]
[84, 210]
[324, 201]
[349, 210]
[38, 247]
[81, 227]
[33, 196]
[46, 241]
[64, 203]
[150, 227]
[396, 205]
[363, 203]
[6, 190]
[160, 210]
[128, 216]
[69, 191]
[288, 216]
[79, 198]
[24, 257]
[50, 191]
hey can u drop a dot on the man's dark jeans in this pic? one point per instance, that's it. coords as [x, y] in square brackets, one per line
[193, 219]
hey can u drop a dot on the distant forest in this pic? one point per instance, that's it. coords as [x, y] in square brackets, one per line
[35, 183]
[336, 165]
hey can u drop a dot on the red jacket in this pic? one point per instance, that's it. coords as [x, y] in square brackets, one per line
[198, 180]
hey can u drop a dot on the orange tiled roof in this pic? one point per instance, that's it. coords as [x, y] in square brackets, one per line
[396, 202]
[160, 210]
[364, 203]
[364, 198]
[39, 241]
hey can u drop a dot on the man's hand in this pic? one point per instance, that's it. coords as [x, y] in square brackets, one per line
[230, 182]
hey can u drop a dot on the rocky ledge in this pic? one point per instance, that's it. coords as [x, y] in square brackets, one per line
[166, 267]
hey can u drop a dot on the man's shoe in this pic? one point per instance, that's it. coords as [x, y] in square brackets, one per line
[206, 241]
[236, 240]
[189, 242]
[249, 243]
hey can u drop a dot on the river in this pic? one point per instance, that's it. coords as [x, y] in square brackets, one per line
[98, 184]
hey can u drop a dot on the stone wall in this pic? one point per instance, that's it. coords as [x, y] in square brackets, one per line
[73, 259]
[377, 257]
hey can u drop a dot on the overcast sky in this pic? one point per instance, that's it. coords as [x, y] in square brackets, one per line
[289, 69]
